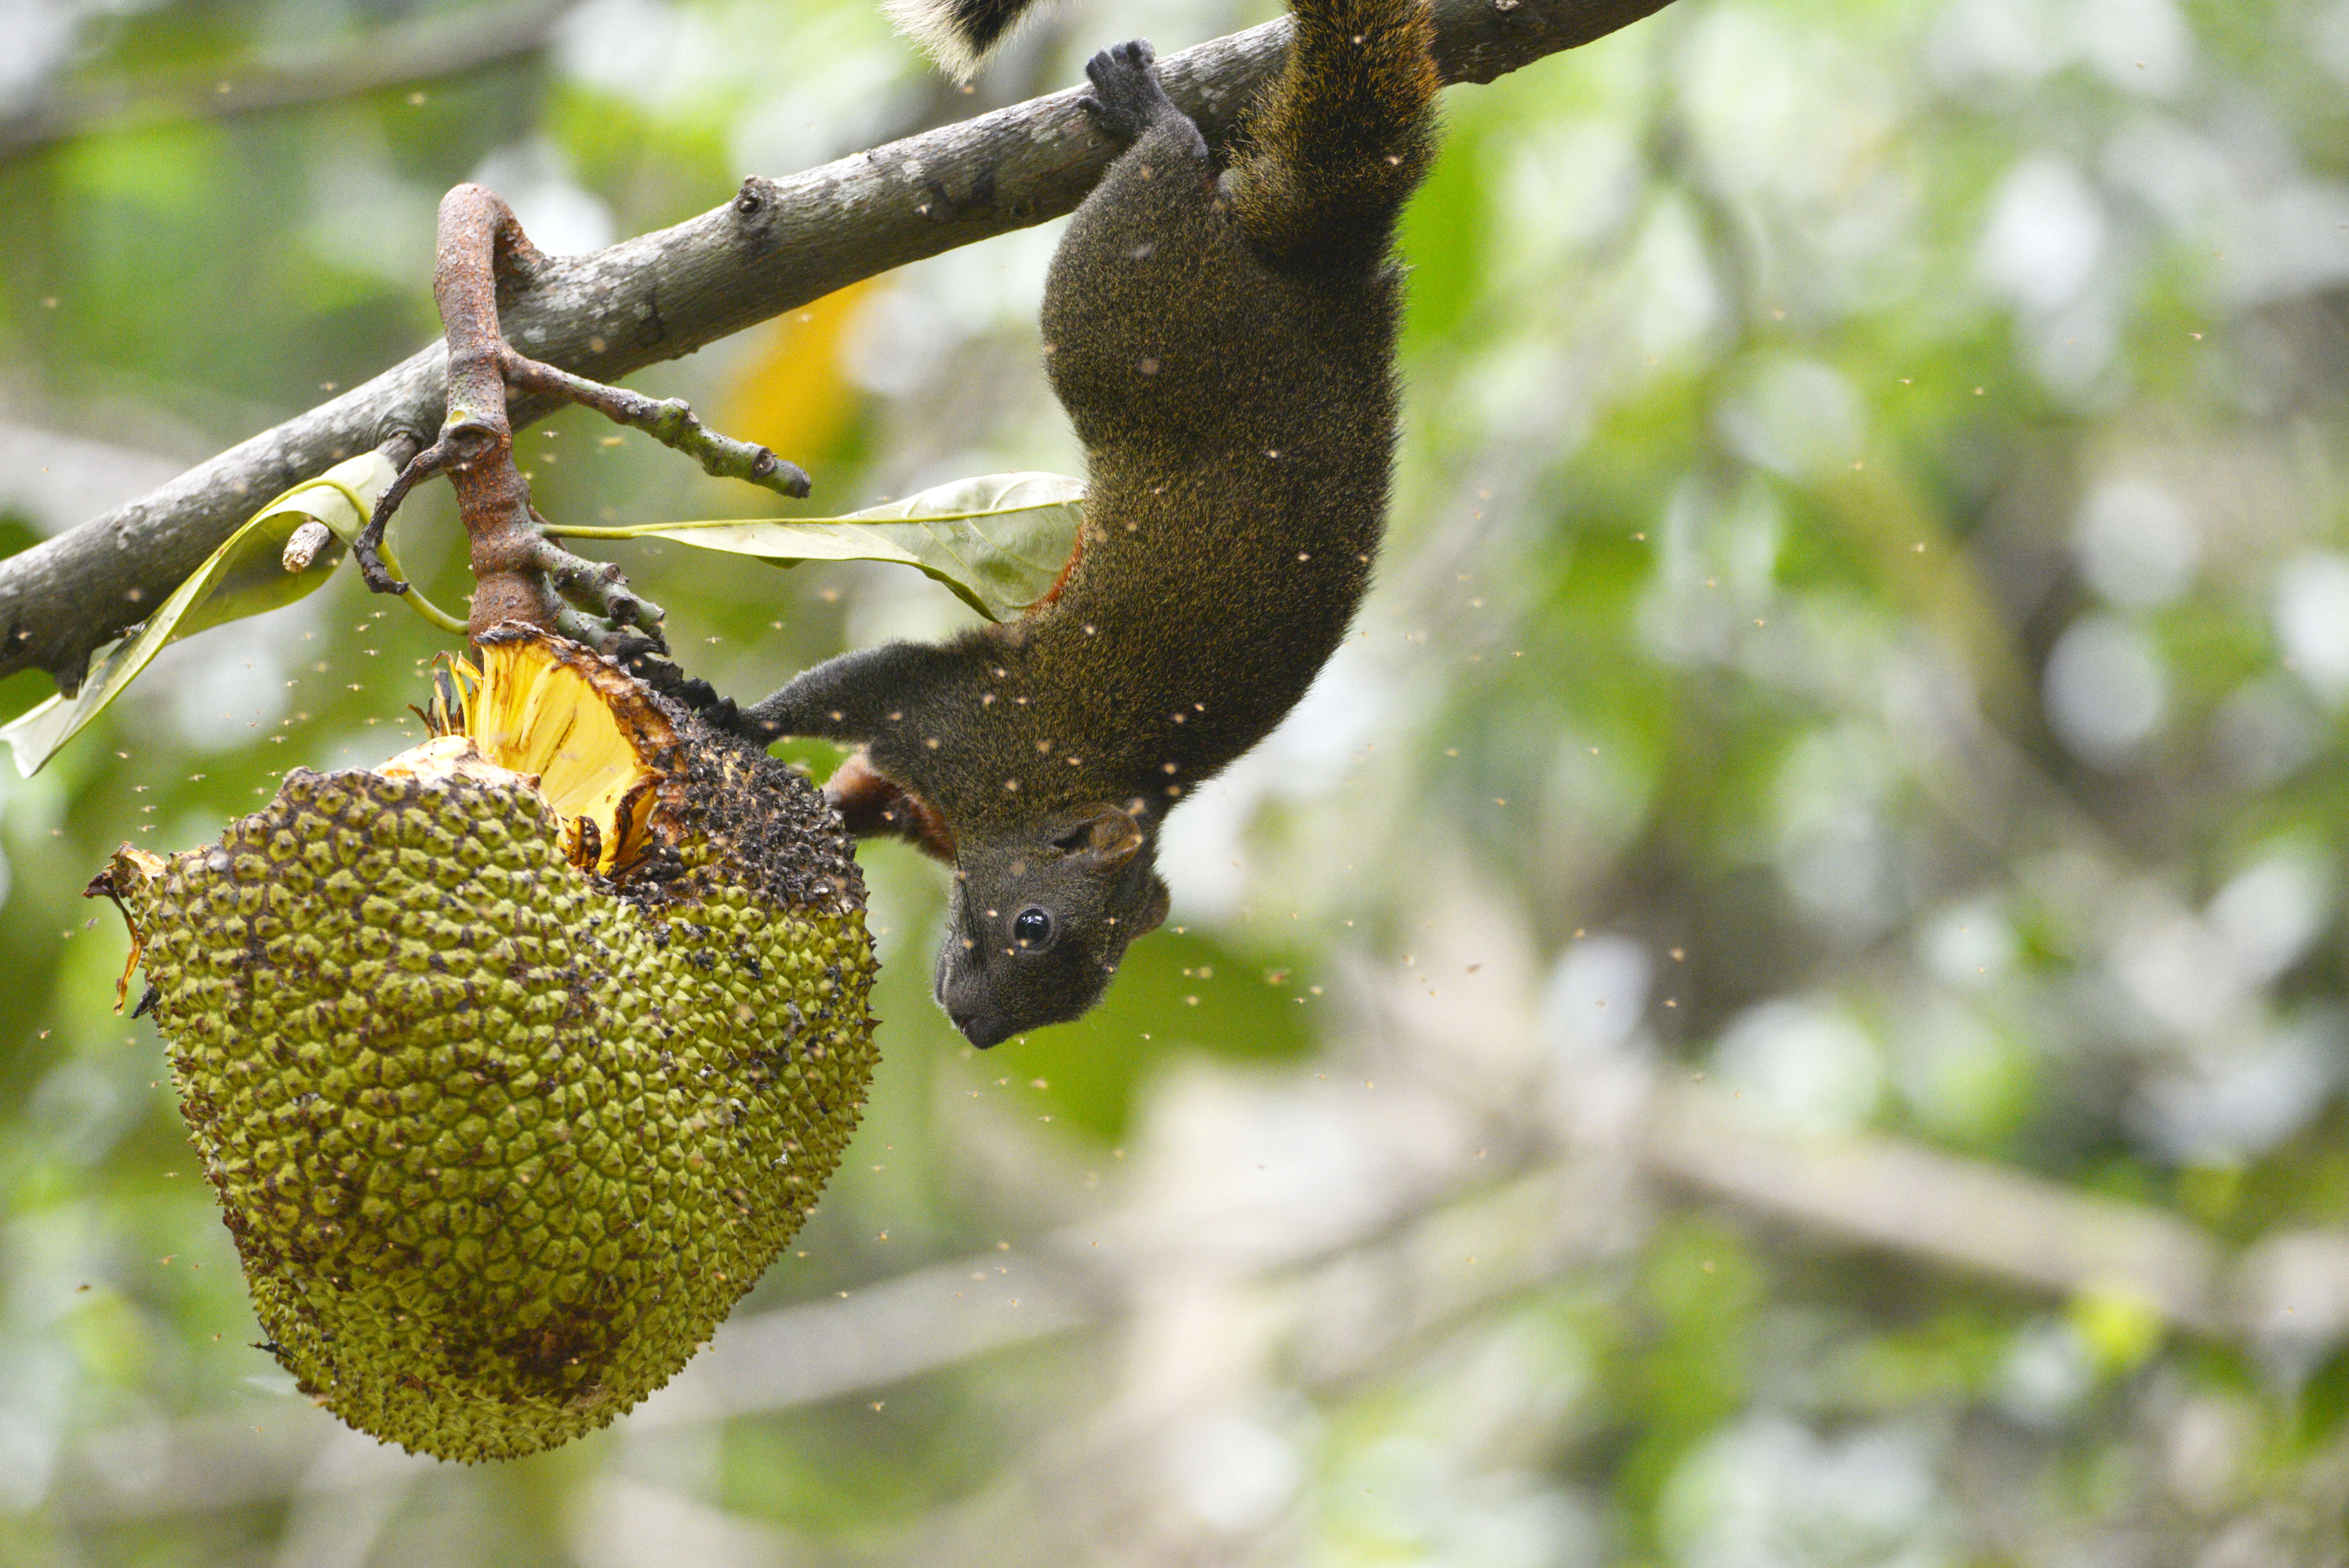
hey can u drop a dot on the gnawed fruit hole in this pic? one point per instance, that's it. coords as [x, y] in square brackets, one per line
[590, 737]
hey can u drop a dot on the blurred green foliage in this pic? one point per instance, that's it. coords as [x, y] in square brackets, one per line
[1867, 605]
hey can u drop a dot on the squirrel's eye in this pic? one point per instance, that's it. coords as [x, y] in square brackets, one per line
[1031, 928]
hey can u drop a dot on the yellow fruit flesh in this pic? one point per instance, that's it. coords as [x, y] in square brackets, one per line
[578, 726]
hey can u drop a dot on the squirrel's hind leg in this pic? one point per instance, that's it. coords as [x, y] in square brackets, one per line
[1127, 99]
[1339, 139]
[1125, 291]
[1131, 106]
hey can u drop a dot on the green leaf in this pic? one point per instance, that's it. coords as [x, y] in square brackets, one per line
[244, 577]
[999, 541]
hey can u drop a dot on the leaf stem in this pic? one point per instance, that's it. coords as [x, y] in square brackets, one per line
[415, 600]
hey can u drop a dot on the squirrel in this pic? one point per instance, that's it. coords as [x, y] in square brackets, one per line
[1224, 344]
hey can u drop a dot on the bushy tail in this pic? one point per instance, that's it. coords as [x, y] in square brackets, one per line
[1335, 144]
[957, 34]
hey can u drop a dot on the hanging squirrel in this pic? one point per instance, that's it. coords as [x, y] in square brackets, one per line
[1224, 344]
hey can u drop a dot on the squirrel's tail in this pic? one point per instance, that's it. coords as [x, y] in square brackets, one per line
[1335, 145]
[957, 34]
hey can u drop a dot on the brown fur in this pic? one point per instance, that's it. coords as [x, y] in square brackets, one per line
[1223, 345]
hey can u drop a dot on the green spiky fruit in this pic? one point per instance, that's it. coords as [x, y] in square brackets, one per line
[515, 1061]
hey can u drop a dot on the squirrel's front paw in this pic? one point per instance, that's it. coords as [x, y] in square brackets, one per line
[641, 657]
[1126, 97]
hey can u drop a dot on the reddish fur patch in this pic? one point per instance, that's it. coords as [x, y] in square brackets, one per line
[1052, 594]
[873, 805]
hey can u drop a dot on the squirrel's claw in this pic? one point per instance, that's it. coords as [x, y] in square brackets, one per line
[644, 658]
[1126, 97]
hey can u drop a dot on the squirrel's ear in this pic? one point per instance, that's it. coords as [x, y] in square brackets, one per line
[1107, 840]
[1153, 914]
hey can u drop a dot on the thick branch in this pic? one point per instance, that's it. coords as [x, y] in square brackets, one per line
[777, 245]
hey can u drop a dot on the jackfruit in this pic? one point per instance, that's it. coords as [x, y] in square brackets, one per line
[516, 1060]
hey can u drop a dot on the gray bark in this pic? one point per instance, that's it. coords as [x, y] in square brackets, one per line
[777, 245]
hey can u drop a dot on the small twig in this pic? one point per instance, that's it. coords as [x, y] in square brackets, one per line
[670, 421]
[368, 548]
[598, 588]
[302, 546]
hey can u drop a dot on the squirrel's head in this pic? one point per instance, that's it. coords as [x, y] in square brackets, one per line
[1037, 921]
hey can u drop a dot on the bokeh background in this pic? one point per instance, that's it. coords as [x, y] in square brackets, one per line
[1780, 1004]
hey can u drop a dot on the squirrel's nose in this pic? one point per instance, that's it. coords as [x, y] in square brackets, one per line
[979, 1028]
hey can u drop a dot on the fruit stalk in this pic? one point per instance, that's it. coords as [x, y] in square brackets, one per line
[522, 573]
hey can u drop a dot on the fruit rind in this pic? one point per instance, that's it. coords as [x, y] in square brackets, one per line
[500, 1139]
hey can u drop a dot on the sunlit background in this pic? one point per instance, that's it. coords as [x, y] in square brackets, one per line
[1780, 1004]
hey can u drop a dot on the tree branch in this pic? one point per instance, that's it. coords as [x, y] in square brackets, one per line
[439, 44]
[777, 245]
[1379, 1281]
